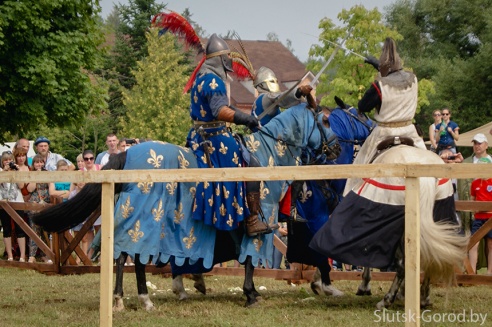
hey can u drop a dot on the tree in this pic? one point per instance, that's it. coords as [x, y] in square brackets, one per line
[47, 50]
[449, 43]
[156, 105]
[364, 32]
[129, 23]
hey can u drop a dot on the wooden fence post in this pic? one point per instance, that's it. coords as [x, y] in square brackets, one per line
[107, 247]
[412, 252]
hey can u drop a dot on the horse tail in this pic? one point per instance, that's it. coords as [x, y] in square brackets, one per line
[441, 246]
[72, 212]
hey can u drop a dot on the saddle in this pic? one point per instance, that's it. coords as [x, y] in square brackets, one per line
[394, 141]
[390, 142]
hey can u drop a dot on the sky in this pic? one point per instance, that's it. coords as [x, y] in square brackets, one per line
[254, 19]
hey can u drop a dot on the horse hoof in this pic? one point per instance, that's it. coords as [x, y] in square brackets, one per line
[363, 292]
[200, 287]
[380, 305]
[251, 304]
[316, 288]
[118, 304]
[146, 302]
[332, 290]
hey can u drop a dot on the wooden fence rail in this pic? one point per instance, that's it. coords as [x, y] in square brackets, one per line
[410, 171]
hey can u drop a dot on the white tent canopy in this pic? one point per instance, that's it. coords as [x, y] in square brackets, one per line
[465, 139]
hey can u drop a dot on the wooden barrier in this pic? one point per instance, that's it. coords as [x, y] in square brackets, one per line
[410, 171]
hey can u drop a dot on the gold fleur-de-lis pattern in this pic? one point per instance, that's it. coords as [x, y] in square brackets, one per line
[155, 160]
[171, 187]
[145, 187]
[225, 192]
[238, 208]
[213, 85]
[223, 210]
[136, 234]
[203, 112]
[235, 159]
[258, 244]
[183, 163]
[200, 86]
[280, 147]
[223, 149]
[263, 191]
[190, 239]
[158, 212]
[230, 221]
[211, 201]
[271, 219]
[163, 234]
[126, 208]
[271, 162]
[217, 190]
[178, 214]
[305, 193]
[252, 144]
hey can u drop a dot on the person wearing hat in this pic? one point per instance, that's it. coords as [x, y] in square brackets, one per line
[481, 190]
[480, 146]
[42, 145]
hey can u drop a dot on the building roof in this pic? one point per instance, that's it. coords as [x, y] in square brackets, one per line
[274, 55]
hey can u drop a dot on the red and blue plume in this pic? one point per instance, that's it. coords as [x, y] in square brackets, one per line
[179, 26]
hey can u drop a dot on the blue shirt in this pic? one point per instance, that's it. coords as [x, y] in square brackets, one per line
[446, 137]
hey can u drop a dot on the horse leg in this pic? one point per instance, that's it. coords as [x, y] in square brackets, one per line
[143, 294]
[389, 298]
[425, 293]
[321, 281]
[178, 287]
[118, 288]
[249, 286]
[199, 283]
[364, 287]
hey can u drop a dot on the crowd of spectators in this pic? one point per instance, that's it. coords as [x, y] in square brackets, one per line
[14, 237]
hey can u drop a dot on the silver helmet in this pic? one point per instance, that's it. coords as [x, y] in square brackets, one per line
[217, 47]
[266, 80]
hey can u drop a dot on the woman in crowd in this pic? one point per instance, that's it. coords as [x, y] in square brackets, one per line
[39, 193]
[11, 192]
[61, 189]
[436, 114]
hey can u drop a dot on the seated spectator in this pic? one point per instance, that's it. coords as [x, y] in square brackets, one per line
[11, 192]
[481, 190]
[61, 189]
[39, 193]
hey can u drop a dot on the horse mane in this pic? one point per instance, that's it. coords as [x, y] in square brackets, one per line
[72, 212]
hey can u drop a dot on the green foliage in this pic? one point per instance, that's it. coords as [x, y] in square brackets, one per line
[351, 76]
[156, 105]
[127, 26]
[47, 49]
[449, 42]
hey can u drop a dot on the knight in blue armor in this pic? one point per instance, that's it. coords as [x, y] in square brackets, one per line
[221, 204]
[270, 98]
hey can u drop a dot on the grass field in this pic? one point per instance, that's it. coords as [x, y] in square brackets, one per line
[28, 298]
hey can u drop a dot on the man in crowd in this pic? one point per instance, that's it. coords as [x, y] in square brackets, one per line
[112, 144]
[42, 145]
[24, 144]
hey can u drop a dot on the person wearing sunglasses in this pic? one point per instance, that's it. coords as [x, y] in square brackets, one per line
[447, 133]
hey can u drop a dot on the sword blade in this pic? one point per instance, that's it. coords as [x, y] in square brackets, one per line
[318, 75]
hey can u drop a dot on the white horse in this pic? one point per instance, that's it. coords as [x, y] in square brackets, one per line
[366, 229]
